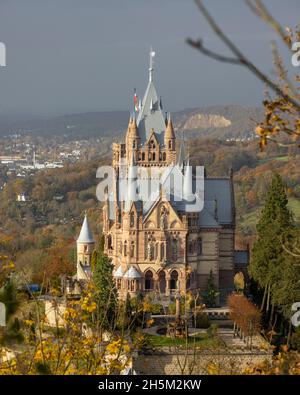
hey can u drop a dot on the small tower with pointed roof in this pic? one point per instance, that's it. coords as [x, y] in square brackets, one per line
[85, 247]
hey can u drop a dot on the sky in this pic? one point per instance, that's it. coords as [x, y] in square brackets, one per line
[70, 56]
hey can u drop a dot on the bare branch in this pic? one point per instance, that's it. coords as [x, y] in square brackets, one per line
[240, 57]
[198, 44]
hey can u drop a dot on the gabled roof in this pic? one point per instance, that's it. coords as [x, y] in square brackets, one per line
[85, 235]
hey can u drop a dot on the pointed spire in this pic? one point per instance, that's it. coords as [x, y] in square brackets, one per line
[85, 235]
[133, 130]
[188, 182]
[181, 154]
[151, 63]
[169, 134]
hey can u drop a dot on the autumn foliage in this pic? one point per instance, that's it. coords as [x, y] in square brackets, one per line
[246, 316]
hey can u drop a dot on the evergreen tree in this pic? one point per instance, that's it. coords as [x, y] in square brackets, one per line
[210, 294]
[106, 289]
[267, 258]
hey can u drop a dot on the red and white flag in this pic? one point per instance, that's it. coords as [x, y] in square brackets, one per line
[136, 102]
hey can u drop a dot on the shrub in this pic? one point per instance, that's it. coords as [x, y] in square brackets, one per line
[202, 321]
[157, 308]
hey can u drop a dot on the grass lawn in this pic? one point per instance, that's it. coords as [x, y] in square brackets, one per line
[294, 206]
[200, 341]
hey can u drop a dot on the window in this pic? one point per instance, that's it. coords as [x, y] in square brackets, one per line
[153, 156]
[175, 244]
[170, 144]
[132, 249]
[85, 249]
[164, 156]
[199, 244]
[119, 283]
[109, 242]
[143, 155]
[148, 280]
[132, 285]
[133, 144]
[191, 247]
[131, 220]
[162, 251]
[174, 280]
[125, 248]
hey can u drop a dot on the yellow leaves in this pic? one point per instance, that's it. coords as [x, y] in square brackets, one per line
[149, 322]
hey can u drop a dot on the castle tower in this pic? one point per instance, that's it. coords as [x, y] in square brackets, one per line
[85, 247]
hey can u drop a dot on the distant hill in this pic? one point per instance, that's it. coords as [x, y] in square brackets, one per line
[224, 122]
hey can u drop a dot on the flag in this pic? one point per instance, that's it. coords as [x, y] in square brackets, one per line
[135, 102]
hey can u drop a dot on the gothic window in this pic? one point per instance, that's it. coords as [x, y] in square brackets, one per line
[170, 144]
[164, 156]
[131, 220]
[125, 248]
[133, 144]
[132, 249]
[174, 280]
[148, 280]
[160, 156]
[153, 156]
[85, 249]
[143, 155]
[199, 245]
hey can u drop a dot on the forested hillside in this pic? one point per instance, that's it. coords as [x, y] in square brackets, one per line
[40, 233]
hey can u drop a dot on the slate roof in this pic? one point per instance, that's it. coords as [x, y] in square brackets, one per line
[85, 235]
[148, 118]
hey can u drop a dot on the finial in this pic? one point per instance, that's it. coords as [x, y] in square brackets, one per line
[152, 54]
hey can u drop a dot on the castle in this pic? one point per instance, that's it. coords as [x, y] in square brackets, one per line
[163, 244]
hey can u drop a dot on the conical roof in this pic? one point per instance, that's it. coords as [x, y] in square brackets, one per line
[85, 235]
[118, 273]
[169, 133]
[132, 273]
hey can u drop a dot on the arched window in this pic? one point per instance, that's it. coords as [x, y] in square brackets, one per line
[174, 280]
[132, 249]
[133, 144]
[148, 280]
[125, 248]
[143, 155]
[170, 144]
[153, 156]
[164, 156]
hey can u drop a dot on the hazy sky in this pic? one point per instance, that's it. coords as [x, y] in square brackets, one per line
[66, 56]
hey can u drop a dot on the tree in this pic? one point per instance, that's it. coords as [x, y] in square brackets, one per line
[106, 290]
[267, 254]
[210, 294]
[239, 282]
